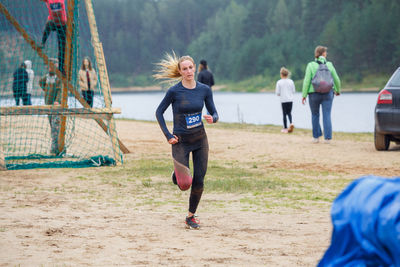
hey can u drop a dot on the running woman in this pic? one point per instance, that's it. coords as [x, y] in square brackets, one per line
[187, 98]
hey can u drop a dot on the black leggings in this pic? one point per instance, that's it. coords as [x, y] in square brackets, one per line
[88, 96]
[196, 143]
[287, 111]
[26, 98]
[61, 37]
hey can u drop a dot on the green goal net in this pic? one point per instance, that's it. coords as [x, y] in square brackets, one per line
[55, 101]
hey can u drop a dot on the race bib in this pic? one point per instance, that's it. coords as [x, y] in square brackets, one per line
[193, 120]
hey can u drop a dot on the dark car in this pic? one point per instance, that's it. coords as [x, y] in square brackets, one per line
[387, 114]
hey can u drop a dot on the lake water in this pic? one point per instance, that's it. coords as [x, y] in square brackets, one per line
[351, 112]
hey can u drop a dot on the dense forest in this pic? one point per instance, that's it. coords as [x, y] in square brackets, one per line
[244, 38]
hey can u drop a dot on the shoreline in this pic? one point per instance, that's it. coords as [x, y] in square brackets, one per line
[152, 88]
[219, 88]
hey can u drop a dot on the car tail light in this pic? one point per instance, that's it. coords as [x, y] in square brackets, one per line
[385, 97]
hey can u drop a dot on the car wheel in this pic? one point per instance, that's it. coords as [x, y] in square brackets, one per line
[382, 141]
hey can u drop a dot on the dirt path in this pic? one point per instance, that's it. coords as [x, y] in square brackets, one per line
[65, 217]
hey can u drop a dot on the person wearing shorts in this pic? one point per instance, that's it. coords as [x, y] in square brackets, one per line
[187, 98]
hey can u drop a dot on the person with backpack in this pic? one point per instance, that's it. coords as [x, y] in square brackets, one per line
[56, 21]
[320, 83]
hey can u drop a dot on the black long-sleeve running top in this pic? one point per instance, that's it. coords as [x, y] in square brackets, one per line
[187, 105]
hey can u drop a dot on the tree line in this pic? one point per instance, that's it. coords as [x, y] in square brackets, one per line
[244, 38]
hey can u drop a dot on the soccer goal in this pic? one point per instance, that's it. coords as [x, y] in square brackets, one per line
[55, 99]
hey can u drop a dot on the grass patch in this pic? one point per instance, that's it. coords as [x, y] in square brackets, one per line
[251, 185]
[240, 185]
[142, 168]
[275, 129]
[146, 182]
[258, 187]
[82, 178]
[361, 82]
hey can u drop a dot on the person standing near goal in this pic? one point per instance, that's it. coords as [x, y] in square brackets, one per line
[87, 80]
[29, 85]
[20, 81]
[51, 86]
[187, 98]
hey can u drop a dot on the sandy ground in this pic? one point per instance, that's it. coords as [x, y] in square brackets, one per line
[47, 218]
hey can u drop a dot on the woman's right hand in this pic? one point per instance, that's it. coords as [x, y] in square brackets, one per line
[303, 100]
[173, 140]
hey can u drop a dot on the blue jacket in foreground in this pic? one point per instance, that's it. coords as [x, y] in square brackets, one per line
[366, 224]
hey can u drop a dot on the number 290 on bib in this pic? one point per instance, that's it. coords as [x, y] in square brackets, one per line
[193, 120]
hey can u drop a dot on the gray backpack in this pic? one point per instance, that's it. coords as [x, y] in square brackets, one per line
[323, 80]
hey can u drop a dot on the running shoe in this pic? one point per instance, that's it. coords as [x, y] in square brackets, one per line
[192, 223]
[291, 127]
[284, 131]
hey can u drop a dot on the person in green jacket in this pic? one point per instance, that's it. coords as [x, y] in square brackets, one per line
[320, 99]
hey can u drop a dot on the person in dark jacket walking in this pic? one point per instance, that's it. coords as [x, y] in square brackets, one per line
[19, 84]
[205, 76]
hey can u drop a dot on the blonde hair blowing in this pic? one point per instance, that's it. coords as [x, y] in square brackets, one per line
[285, 72]
[168, 68]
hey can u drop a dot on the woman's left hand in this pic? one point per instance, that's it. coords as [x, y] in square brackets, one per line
[208, 118]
